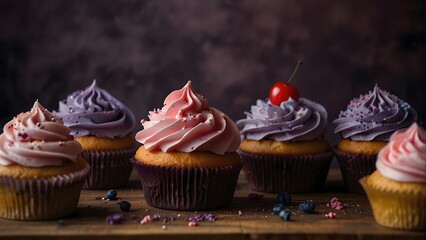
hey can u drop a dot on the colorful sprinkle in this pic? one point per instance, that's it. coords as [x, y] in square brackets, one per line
[336, 204]
[156, 217]
[147, 219]
[330, 215]
[192, 224]
[202, 217]
[115, 219]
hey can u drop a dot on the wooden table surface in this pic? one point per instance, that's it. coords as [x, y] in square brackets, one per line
[256, 220]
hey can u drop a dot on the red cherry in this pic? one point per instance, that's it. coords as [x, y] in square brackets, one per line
[281, 92]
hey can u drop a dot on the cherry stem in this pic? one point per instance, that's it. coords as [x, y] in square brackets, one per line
[294, 71]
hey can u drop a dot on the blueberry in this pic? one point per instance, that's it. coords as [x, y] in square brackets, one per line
[284, 198]
[278, 208]
[111, 194]
[125, 206]
[285, 215]
[307, 206]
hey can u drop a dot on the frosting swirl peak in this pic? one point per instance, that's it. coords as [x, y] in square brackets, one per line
[375, 115]
[404, 157]
[95, 112]
[37, 138]
[291, 121]
[186, 123]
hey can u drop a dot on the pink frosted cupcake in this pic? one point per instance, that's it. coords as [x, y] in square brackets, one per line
[41, 175]
[396, 190]
[188, 160]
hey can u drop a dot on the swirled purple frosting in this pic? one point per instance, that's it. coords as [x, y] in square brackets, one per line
[374, 116]
[95, 112]
[291, 121]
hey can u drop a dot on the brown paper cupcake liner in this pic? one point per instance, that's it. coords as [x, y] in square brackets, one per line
[400, 210]
[39, 199]
[108, 169]
[289, 173]
[188, 189]
[354, 167]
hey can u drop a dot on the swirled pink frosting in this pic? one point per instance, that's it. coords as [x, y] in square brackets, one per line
[186, 123]
[403, 158]
[37, 138]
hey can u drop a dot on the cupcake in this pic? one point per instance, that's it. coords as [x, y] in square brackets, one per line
[41, 174]
[365, 127]
[188, 159]
[396, 190]
[282, 146]
[102, 125]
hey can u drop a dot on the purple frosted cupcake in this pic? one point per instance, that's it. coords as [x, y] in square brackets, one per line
[283, 147]
[102, 125]
[365, 127]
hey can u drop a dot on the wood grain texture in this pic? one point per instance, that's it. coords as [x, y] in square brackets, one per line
[256, 221]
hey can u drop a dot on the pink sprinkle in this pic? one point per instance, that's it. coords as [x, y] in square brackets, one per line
[330, 215]
[147, 219]
[335, 203]
[240, 213]
[192, 224]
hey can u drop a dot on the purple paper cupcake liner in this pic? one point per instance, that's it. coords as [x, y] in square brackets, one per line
[289, 173]
[354, 167]
[188, 189]
[108, 169]
[40, 199]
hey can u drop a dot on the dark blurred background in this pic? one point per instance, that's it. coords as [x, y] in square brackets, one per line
[233, 51]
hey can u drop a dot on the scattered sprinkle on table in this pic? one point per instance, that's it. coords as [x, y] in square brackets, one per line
[330, 215]
[192, 224]
[115, 218]
[147, 219]
[202, 217]
[335, 203]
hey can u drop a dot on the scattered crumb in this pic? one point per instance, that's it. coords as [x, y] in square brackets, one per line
[240, 213]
